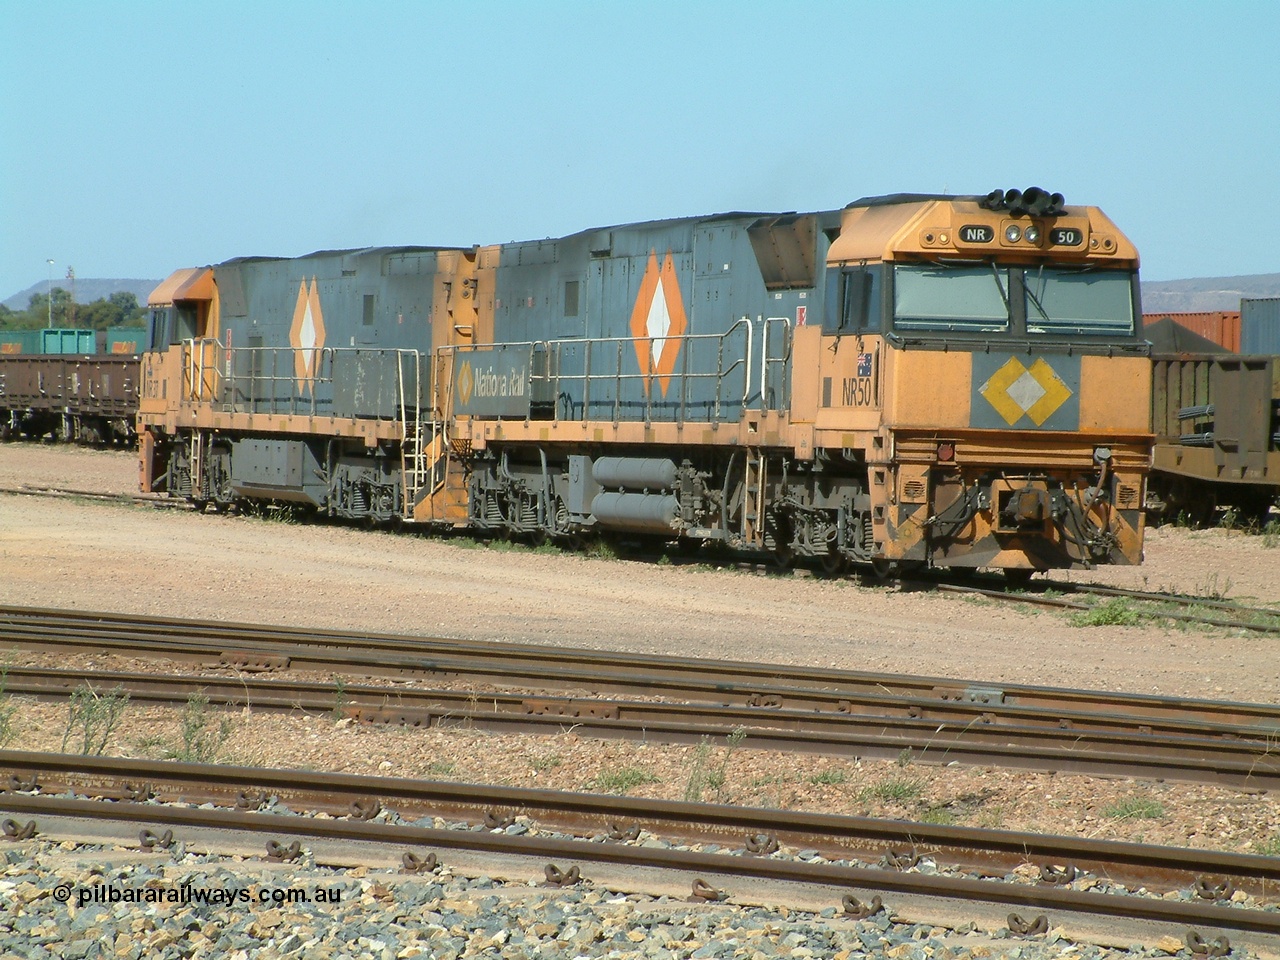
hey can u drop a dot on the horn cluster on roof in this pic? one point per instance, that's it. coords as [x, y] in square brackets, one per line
[1033, 201]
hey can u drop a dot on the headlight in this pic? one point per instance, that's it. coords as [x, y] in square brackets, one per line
[1032, 234]
[1013, 233]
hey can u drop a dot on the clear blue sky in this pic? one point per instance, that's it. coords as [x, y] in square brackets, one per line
[137, 137]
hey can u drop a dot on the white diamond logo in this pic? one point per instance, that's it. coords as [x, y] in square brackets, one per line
[658, 323]
[307, 335]
[1025, 391]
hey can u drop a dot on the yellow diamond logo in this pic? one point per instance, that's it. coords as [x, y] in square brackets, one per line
[1017, 391]
[465, 383]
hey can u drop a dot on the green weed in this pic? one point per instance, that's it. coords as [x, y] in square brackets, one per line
[271, 512]
[828, 778]
[1135, 808]
[602, 549]
[549, 762]
[93, 718]
[1271, 534]
[339, 697]
[1230, 517]
[623, 779]
[1270, 847]
[898, 789]
[938, 816]
[716, 778]
[697, 772]
[150, 744]
[201, 743]
[7, 710]
[1116, 612]
[1213, 589]
[440, 768]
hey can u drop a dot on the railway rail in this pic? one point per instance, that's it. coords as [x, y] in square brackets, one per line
[814, 719]
[1206, 611]
[862, 857]
[263, 648]
[66, 493]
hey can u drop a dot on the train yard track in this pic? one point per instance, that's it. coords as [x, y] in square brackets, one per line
[64, 493]
[674, 700]
[851, 860]
[1229, 756]
[1154, 605]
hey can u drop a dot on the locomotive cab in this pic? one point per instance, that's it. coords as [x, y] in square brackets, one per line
[985, 357]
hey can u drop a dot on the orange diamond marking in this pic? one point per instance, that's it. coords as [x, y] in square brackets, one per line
[658, 322]
[306, 333]
[465, 383]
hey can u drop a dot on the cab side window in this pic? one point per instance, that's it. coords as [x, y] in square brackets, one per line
[852, 301]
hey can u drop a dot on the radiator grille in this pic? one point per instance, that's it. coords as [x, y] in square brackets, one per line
[913, 491]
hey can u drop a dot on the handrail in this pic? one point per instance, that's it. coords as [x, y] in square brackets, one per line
[755, 377]
[217, 374]
[222, 381]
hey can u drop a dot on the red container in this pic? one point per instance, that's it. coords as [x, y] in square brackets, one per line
[1220, 326]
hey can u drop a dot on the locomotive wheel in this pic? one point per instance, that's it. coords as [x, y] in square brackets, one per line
[883, 569]
[783, 557]
[833, 563]
[1017, 577]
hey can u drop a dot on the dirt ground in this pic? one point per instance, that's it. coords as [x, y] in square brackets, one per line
[88, 555]
[102, 556]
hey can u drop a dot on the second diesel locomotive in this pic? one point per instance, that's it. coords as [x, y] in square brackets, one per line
[913, 379]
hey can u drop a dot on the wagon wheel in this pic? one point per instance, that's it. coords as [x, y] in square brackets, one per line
[783, 557]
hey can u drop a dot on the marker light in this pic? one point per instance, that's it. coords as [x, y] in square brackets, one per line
[1013, 233]
[1032, 234]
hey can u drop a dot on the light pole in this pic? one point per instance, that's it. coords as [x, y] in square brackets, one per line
[50, 294]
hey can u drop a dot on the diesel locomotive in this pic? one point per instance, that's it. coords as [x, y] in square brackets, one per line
[955, 381]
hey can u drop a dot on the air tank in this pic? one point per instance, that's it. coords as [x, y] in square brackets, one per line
[634, 473]
[639, 512]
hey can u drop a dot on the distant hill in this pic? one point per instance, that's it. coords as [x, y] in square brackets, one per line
[87, 290]
[1207, 293]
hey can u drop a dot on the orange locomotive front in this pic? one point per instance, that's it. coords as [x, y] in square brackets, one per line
[983, 357]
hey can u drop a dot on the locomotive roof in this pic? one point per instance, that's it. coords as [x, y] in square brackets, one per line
[352, 251]
[679, 221]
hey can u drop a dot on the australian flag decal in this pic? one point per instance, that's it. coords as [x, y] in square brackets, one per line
[864, 364]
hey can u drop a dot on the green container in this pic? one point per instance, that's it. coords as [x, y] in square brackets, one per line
[126, 340]
[68, 341]
[19, 341]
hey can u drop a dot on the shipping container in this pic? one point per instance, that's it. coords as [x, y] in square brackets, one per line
[1220, 326]
[19, 341]
[68, 341]
[126, 340]
[1260, 326]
